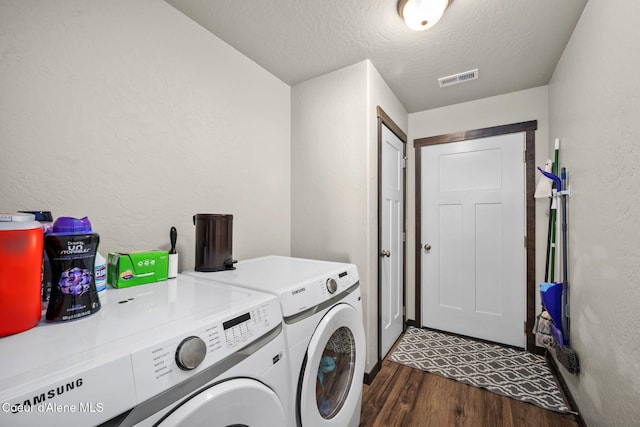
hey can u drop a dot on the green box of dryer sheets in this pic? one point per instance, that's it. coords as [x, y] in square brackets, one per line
[136, 268]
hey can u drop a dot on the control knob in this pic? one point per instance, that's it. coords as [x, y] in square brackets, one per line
[190, 353]
[332, 286]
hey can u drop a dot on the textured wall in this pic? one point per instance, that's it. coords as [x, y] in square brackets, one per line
[132, 114]
[594, 108]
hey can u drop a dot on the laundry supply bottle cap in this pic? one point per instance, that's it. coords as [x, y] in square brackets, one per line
[70, 225]
[41, 215]
[16, 217]
[18, 221]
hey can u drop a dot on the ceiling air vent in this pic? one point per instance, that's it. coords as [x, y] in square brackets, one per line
[458, 78]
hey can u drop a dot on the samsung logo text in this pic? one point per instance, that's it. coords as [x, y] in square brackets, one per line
[42, 397]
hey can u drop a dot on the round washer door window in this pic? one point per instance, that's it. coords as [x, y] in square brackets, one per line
[236, 402]
[335, 372]
[331, 386]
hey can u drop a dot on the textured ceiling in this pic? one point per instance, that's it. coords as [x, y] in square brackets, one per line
[515, 44]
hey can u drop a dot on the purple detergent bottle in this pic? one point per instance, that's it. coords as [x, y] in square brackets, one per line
[71, 248]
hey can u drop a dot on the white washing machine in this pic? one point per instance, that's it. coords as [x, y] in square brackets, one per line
[324, 331]
[182, 352]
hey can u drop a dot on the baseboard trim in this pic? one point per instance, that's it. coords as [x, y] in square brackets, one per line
[565, 389]
[369, 376]
[540, 351]
[411, 322]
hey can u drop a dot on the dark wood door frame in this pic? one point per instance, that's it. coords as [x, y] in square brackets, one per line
[384, 119]
[529, 129]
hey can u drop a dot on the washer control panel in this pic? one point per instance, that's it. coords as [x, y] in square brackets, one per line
[190, 353]
[169, 362]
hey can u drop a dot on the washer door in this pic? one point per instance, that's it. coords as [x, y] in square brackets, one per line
[330, 388]
[240, 402]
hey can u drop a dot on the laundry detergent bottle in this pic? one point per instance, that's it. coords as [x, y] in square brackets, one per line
[71, 248]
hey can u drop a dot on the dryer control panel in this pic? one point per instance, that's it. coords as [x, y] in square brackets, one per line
[315, 292]
[173, 360]
[338, 282]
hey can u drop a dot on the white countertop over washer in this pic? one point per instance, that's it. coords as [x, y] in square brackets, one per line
[87, 371]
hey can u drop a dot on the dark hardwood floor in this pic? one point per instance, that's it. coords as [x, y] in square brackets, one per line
[400, 396]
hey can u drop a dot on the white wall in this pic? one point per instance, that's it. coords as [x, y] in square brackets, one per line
[515, 107]
[334, 174]
[328, 167]
[595, 109]
[132, 114]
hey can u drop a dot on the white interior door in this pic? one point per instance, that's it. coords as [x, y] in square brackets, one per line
[473, 228]
[392, 249]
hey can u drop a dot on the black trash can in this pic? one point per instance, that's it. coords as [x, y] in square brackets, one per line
[214, 238]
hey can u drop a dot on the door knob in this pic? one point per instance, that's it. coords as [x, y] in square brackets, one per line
[385, 253]
[427, 247]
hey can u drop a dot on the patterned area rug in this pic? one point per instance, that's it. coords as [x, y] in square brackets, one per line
[509, 372]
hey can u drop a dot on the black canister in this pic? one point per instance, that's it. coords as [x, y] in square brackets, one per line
[214, 237]
[72, 248]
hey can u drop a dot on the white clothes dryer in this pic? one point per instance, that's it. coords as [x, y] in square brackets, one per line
[183, 352]
[324, 331]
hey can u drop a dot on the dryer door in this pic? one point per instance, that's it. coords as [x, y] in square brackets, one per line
[330, 387]
[236, 402]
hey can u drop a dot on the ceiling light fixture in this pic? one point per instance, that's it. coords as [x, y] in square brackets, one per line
[421, 14]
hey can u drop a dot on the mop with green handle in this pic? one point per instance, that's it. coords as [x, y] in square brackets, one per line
[542, 325]
[550, 291]
[565, 354]
[554, 215]
[547, 189]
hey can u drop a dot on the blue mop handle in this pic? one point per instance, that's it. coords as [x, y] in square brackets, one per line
[565, 263]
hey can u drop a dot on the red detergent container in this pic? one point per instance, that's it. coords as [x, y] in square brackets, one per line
[21, 249]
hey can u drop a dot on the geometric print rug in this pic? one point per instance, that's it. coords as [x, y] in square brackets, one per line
[513, 373]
